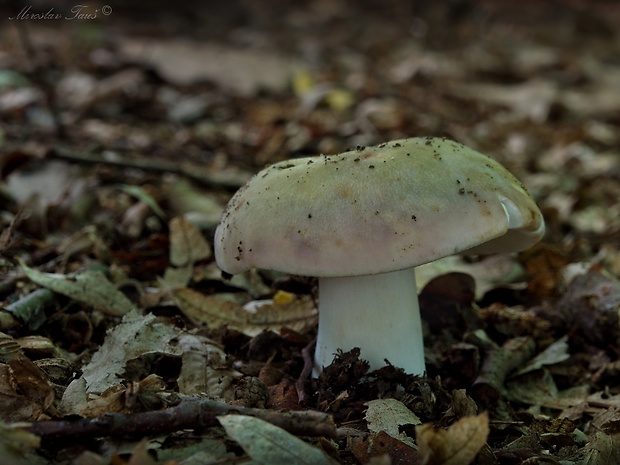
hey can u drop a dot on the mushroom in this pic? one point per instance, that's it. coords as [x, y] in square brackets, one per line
[361, 221]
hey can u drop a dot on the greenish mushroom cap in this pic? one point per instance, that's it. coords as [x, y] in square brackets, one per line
[375, 209]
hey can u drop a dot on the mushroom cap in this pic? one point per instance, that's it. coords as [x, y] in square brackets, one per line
[375, 209]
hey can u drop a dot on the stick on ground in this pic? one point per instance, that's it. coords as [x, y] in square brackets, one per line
[192, 413]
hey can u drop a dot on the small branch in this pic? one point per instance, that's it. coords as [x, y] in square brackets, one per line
[189, 170]
[191, 413]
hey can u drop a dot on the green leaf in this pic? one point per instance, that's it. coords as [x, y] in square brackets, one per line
[142, 195]
[267, 444]
[90, 287]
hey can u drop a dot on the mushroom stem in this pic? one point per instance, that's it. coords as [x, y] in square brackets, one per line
[377, 313]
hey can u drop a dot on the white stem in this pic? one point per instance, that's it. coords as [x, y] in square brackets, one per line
[377, 313]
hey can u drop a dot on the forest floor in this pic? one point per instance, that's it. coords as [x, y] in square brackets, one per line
[125, 130]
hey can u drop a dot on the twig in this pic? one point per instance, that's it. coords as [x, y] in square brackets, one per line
[189, 170]
[306, 353]
[191, 413]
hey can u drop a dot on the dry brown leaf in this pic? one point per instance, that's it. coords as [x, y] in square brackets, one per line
[13, 406]
[29, 380]
[187, 244]
[216, 311]
[389, 449]
[457, 445]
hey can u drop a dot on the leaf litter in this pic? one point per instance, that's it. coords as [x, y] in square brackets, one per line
[113, 307]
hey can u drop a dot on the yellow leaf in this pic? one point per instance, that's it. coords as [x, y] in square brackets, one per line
[303, 82]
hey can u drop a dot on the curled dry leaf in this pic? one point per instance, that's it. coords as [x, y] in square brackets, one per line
[457, 445]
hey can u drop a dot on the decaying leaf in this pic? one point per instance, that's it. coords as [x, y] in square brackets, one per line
[269, 445]
[135, 336]
[457, 445]
[555, 353]
[603, 449]
[215, 311]
[187, 244]
[13, 405]
[205, 369]
[206, 451]
[89, 287]
[381, 448]
[28, 380]
[390, 415]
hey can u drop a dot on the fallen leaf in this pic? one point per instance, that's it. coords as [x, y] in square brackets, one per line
[89, 287]
[267, 444]
[187, 244]
[142, 195]
[555, 353]
[29, 380]
[383, 445]
[184, 62]
[135, 336]
[603, 449]
[204, 369]
[531, 99]
[206, 451]
[457, 445]
[217, 311]
[389, 415]
[202, 209]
